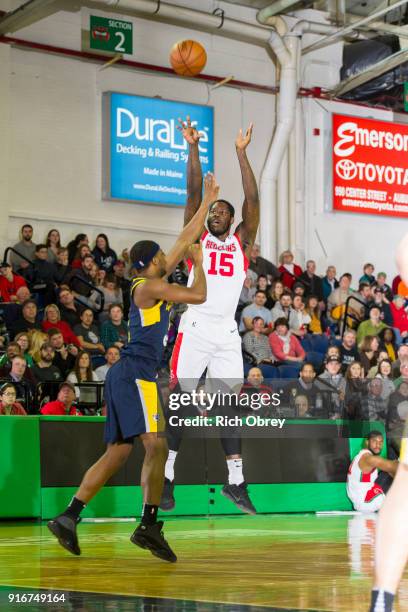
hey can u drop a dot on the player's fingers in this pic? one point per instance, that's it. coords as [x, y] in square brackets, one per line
[188, 121]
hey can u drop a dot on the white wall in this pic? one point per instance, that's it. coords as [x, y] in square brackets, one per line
[51, 126]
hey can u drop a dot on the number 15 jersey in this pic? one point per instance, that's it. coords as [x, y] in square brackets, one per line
[225, 265]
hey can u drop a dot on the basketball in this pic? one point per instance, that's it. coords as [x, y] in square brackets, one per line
[188, 57]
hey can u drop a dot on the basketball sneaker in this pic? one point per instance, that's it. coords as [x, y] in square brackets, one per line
[238, 494]
[152, 538]
[167, 501]
[64, 529]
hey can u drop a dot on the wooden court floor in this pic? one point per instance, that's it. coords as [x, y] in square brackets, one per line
[229, 564]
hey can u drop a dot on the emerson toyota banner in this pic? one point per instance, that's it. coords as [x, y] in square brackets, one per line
[145, 156]
[370, 166]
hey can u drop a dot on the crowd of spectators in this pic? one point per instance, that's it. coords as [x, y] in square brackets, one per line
[64, 320]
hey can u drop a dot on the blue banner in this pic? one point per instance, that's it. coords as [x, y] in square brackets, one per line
[145, 153]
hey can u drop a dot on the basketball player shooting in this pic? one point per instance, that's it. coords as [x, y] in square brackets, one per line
[208, 335]
[391, 548]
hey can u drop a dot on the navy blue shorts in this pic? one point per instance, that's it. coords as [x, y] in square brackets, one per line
[132, 401]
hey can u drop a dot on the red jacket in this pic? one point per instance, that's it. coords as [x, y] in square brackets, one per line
[57, 408]
[17, 409]
[295, 348]
[399, 318]
[65, 329]
[8, 289]
[287, 279]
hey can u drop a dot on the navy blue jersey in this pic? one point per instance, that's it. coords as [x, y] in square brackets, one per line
[147, 329]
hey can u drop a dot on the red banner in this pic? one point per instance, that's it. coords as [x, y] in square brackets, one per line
[370, 166]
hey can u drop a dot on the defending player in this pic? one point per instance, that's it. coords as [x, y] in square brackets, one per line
[391, 549]
[208, 336]
[131, 391]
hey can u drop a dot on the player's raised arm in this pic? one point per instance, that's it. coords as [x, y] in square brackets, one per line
[193, 230]
[159, 289]
[370, 462]
[250, 209]
[194, 171]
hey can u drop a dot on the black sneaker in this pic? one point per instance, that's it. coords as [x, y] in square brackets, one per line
[151, 537]
[238, 494]
[167, 501]
[64, 529]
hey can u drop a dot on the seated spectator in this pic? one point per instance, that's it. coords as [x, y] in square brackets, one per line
[83, 373]
[81, 282]
[381, 284]
[363, 485]
[372, 327]
[28, 319]
[112, 294]
[105, 257]
[9, 283]
[42, 272]
[373, 405]
[257, 346]
[114, 332]
[298, 289]
[23, 340]
[69, 310]
[399, 315]
[378, 299]
[248, 289]
[289, 271]
[253, 389]
[368, 274]
[22, 294]
[384, 373]
[304, 386]
[369, 348]
[286, 348]
[402, 355]
[82, 252]
[260, 265]
[257, 309]
[53, 244]
[65, 355]
[37, 339]
[262, 283]
[64, 404]
[403, 374]
[88, 334]
[112, 355]
[13, 349]
[303, 407]
[348, 349]
[44, 370]
[23, 381]
[52, 320]
[388, 343]
[283, 307]
[8, 404]
[273, 294]
[336, 302]
[359, 306]
[25, 247]
[332, 379]
[74, 245]
[313, 309]
[299, 319]
[329, 282]
[62, 269]
[124, 283]
[355, 390]
[372, 372]
[397, 416]
[312, 282]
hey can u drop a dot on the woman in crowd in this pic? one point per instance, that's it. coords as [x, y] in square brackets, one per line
[83, 373]
[273, 294]
[74, 245]
[53, 243]
[312, 308]
[23, 341]
[286, 348]
[372, 372]
[356, 389]
[52, 320]
[289, 270]
[8, 404]
[384, 372]
[63, 269]
[37, 339]
[369, 349]
[299, 319]
[105, 257]
[388, 343]
[81, 252]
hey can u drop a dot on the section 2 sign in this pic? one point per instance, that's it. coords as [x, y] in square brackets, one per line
[370, 166]
[145, 154]
[109, 34]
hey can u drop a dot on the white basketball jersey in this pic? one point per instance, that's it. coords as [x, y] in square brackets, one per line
[225, 265]
[358, 484]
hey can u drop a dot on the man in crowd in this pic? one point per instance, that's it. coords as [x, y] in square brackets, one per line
[13, 349]
[329, 282]
[63, 405]
[42, 272]
[372, 326]
[79, 285]
[70, 311]
[114, 331]
[304, 386]
[381, 283]
[333, 385]
[44, 370]
[64, 355]
[283, 307]
[253, 389]
[9, 283]
[28, 319]
[368, 274]
[260, 265]
[312, 282]
[373, 405]
[378, 298]
[23, 381]
[88, 334]
[402, 355]
[348, 349]
[26, 247]
[257, 309]
[124, 283]
[112, 355]
[337, 299]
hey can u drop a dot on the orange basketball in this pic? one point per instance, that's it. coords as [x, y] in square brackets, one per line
[188, 57]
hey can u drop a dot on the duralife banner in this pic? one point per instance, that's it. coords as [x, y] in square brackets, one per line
[370, 166]
[145, 155]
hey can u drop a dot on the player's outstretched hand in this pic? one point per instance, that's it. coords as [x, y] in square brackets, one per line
[190, 133]
[195, 253]
[242, 141]
[211, 188]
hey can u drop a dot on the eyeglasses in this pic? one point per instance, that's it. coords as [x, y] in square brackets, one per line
[10, 394]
